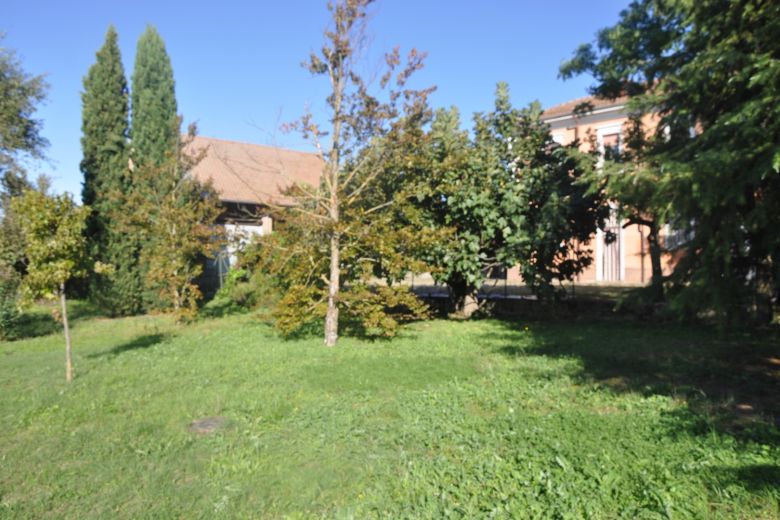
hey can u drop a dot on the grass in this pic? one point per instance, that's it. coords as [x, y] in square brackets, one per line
[571, 419]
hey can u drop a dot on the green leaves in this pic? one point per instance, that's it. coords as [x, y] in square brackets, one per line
[55, 246]
[509, 196]
[709, 72]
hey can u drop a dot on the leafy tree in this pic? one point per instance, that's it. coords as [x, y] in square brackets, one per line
[155, 123]
[175, 216]
[709, 71]
[335, 215]
[20, 137]
[512, 196]
[54, 241]
[20, 93]
[104, 143]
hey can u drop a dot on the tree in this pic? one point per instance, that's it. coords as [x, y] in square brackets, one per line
[155, 123]
[53, 231]
[20, 138]
[637, 183]
[104, 144]
[512, 196]
[20, 132]
[155, 132]
[175, 215]
[335, 213]
[709, 70]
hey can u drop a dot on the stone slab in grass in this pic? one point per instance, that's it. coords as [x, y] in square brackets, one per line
[208, 425]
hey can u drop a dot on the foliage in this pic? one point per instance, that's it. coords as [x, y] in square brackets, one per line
[345, 219]
[52, 226]
[575, 419]
[512, 196]
[9, 308]
[104, 144]
[709, 70]
[20, 138]
[20, 93]
[175, 215]
[12, 184]
[155, 123]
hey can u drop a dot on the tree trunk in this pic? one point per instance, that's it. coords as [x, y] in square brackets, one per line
[464, 298]
[656, 281]
[66, 327]
[332, 315]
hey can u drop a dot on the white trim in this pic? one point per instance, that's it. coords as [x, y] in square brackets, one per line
[622, 251]
[601, 131]
[598, 111]
[599, 255]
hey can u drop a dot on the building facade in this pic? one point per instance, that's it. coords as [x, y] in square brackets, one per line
[625, 260]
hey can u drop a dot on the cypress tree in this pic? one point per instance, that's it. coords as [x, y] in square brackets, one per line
[155, 125]
[104, 165]
[155, 138]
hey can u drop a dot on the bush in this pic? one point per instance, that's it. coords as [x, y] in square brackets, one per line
[9, 310]
[242, 291]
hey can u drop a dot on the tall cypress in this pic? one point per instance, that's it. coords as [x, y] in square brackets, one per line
[104, 144]
[154, 132]
[155, 128]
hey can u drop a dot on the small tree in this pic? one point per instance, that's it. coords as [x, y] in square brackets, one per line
[53, 231]
[175, 215]
[337, 213]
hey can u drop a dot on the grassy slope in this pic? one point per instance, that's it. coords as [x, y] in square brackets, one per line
[563, 419]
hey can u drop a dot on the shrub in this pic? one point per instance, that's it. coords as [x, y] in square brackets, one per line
[9, 310]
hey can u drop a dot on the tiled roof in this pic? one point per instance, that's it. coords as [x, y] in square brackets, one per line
[564, 109]
[251, 173]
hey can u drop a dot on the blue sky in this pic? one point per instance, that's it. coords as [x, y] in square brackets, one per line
[237, 64]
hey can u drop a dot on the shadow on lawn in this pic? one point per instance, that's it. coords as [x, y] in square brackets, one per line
[139, 343]
[730, 383]
[40, 321]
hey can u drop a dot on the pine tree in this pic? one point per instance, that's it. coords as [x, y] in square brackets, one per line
[155, 125]
[105, 148]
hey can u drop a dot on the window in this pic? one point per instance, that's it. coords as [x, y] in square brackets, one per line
[611, 144]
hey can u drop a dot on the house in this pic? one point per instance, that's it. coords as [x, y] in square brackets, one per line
[626, 259]
[251, 180]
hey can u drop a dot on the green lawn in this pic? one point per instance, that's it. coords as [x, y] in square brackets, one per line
[567, 419]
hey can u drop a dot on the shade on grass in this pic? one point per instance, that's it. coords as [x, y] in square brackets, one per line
[574, 419]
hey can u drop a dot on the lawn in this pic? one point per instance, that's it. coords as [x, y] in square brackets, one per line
[567, 419]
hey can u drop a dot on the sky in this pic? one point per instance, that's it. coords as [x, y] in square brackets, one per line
[237, 65]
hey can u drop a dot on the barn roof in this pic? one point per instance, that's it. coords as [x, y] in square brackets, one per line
[252, 173]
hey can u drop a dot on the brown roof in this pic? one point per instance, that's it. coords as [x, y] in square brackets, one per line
[564, 109]
[251, 173]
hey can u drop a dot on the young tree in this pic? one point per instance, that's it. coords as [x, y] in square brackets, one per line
[104, 143]
[53, 231]
[708, 70]
[175, 216]
[155, 123]
[335, 211]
